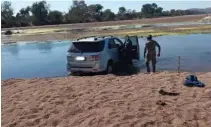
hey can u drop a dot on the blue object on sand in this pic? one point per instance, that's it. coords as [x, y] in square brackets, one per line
[192, 80]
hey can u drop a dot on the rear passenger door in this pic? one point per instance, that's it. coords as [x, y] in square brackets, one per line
[118, 43]
[135, 47]
[113, 50]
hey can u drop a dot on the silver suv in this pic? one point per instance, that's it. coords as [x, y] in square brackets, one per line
[97, 54]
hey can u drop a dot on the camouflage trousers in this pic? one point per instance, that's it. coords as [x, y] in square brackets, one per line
[152, 59]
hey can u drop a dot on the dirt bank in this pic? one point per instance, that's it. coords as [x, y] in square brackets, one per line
[109, 101]
[70, 31]
[184, 18]
[158, 31]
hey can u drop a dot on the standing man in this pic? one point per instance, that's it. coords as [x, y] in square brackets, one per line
[128, 51]
[150, 53]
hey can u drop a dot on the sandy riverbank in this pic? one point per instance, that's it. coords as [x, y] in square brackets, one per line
[110, 101]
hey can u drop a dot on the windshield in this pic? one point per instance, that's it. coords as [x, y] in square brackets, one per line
[81, 47]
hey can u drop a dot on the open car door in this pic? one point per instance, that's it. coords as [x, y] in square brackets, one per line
[135, 47]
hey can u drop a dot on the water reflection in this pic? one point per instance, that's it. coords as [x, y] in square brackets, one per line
[44, 47]
[12, 49]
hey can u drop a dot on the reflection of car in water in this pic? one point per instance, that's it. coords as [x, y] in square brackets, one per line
[98, 54]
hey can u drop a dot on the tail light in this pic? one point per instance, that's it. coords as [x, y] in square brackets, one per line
[94, 58]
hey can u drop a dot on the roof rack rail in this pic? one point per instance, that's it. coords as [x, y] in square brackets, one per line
[95, 37]
[85, 37]
[106, 36]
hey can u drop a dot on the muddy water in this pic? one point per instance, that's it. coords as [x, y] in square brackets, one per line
[48, 59]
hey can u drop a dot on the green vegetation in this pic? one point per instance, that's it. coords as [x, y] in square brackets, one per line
[39, 13]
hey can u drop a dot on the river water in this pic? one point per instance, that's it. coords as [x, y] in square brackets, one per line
[48, 59]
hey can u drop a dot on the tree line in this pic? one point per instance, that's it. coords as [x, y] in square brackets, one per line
[39, 13]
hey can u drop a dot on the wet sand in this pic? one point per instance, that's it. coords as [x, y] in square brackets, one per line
[107, 101]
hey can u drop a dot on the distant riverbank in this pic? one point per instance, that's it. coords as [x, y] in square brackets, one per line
[156, 27]
[141, 32]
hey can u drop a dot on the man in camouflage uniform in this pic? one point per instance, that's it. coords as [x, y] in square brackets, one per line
[150, 53]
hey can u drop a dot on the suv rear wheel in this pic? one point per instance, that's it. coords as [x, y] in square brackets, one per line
[109, 68]
[74, 74]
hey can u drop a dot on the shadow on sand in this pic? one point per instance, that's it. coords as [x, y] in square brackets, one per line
[123, 70]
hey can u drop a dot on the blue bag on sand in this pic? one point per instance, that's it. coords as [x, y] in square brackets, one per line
[192, 80]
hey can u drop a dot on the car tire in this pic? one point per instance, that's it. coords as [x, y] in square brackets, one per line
[109, 68]
[74, 74]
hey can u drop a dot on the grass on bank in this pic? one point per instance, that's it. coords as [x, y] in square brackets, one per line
[160, 32]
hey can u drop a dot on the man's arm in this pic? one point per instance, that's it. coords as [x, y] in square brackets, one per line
[145, 50]
[159, 48]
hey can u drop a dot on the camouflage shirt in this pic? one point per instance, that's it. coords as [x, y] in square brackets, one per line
[150, 47]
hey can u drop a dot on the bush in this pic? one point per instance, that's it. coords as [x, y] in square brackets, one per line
[8, 32]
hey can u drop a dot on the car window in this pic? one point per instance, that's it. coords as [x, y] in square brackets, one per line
[118, 42]
[111, 44]
[87, 47]
[133, 40]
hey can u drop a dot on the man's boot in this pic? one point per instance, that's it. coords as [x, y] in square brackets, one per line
[148, 68]
[153, 67]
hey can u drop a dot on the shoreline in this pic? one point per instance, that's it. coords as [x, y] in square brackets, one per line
[115, 75]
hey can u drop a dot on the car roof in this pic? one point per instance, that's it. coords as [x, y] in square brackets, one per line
[93, 39]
